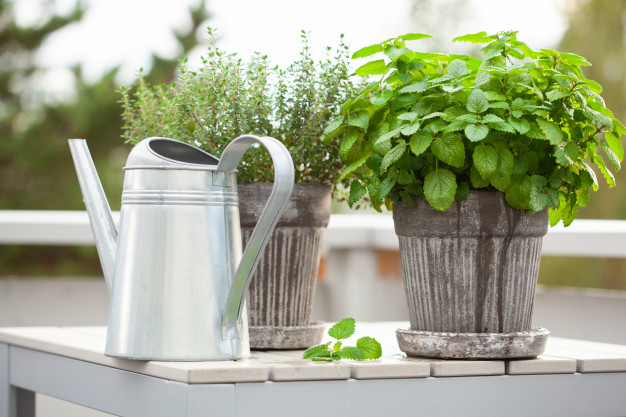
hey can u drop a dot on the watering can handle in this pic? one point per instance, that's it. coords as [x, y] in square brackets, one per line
[283, 186]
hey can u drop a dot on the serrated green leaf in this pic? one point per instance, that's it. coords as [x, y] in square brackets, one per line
[613, 159]
[492, 118]
[608, 175]
[408, 130]
[414, 36]
[333, 129]
[476, 133]
[455, 126]
[538, 199]
[394, 52]
[370, 347]
[380, 98]
[477, 180]
[343, 329]
[502, 177]
[598, 117]
[440, 189]
[410, 116]
[480, 37]
[615, 144]
[417, 87]
[449, 149]
[382, 144]
[469, 118]
[353, 167]
[553, 95]
[477, 101]
[566, 154]
[457, 68]
[359, 119]
[377, 67]
[521, 125]
[573, 59]
[357, 191]
[485, 160]
[551, 131]
[502, 127]
[482, 78]
[517, 194]
[317, 351]
[420, 141]
[392, 156]
[368, 51]
[351, 352]
[347, 142]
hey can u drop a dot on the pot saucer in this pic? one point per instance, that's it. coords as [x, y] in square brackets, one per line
[517, 345]
[286, 337]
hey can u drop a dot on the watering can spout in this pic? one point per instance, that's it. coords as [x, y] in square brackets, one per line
[102, 224]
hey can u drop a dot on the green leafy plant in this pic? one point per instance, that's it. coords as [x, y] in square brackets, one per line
[366, 347]
[526, 123]
[225, 98]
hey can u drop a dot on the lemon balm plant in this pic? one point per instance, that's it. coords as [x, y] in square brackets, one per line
[523, 122]
[475, 156]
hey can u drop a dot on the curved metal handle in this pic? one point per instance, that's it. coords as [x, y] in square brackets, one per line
[283, 186]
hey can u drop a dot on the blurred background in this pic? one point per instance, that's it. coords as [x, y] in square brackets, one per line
[62, 63]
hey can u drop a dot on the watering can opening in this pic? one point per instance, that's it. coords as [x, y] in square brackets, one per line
[181, 152]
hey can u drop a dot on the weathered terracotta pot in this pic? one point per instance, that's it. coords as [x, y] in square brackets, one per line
[470, 275]
[282, 290]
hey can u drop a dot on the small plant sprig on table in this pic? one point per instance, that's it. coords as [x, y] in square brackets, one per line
[366, 347]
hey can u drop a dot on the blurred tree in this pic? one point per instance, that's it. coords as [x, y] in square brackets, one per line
[36, 170]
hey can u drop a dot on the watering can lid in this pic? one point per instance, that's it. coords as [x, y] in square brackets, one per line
[165, 153]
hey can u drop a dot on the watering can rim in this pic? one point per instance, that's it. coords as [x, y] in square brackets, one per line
[144, 156]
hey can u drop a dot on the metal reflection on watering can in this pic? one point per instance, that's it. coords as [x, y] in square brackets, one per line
[175, 272]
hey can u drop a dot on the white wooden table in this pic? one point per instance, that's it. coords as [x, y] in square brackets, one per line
[573, 378]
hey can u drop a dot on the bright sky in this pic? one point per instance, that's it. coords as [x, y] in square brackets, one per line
[124, 32]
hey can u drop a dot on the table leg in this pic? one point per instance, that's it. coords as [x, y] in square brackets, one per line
[14, 402]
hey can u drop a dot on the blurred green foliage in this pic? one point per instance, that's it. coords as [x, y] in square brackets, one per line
[36, 169]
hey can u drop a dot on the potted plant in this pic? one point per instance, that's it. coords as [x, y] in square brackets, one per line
[471, 155]
[226, 98]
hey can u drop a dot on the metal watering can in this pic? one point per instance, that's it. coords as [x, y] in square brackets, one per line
[175, 272]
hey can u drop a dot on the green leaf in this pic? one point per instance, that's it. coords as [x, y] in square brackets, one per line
[593, 176]
[608, 175]
[611, 155]
[333, 129]
[480, 37]
[372, 68]
[382, 144]
[551, 131]
[538, 199]
[485, 160]
[517, 194]
[476, 133]
[462, 190]
[408, 130]
[357, 191]
[457, 68]
[554, 95]
[370, 347]
[316, 351]
[409, 116]
[420, 141]
[353, 167]
[417, 87]
[414, 36]
[521, 125]
[368, 51]
[449, 149]
[477, 101]
[348, 141]
[380, 98]
[392, 156]
[359, 119]
[502, 177]
[615, 144]
[566, 154]
[492, 118]
[351, 352]
[440, 189]
[477, 180]
[343, 329]
[482, 78]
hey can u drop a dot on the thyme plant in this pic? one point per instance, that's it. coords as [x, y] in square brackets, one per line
[226, 97]
[526, 123]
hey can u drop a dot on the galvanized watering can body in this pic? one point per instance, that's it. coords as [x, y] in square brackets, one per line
[175, 272]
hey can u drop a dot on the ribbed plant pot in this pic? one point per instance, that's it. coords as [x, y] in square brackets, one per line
[470, 275]
[282, 290]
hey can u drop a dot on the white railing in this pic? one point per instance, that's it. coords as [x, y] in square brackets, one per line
[589, 238]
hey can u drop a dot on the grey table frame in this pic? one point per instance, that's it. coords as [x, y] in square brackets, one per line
[130, 394]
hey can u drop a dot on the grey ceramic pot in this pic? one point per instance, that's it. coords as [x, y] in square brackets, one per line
[470, 275]
[282, 290]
